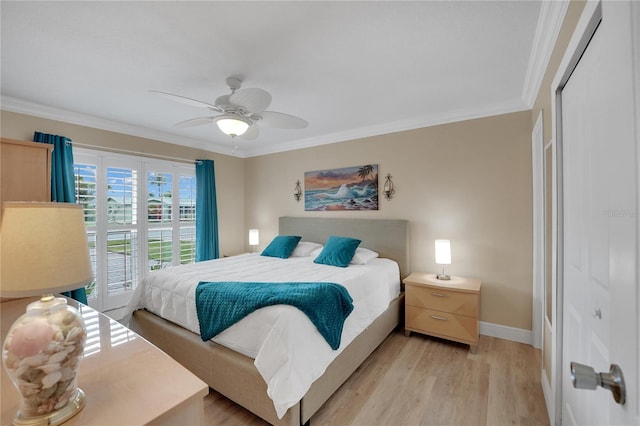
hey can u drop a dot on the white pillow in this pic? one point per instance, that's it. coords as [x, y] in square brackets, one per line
[362, 256]
[316, 252]
[305, 248]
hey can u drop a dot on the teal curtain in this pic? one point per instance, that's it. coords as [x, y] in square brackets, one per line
[206, 212]
[62, 183]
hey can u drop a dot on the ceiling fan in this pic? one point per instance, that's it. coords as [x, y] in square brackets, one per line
[239, 112]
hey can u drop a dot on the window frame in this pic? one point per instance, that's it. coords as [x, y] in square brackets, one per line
[102, 160]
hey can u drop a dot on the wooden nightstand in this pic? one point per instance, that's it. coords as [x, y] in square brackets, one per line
[447, 309]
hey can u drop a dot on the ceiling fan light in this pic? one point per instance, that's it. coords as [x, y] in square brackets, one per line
[232, 126]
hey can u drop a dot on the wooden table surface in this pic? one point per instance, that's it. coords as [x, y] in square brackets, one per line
[127, 380]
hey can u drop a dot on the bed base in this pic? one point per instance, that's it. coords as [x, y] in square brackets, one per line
[234, 375]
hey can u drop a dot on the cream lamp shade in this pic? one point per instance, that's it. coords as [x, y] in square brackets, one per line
[443, 252]
[443, 256]
[43, 249]
[254, 237]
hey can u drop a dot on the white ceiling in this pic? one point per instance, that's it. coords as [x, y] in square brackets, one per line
[351, 69]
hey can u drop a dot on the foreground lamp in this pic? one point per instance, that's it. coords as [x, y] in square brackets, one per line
[44, 250]
[254, 238]
[443, 257]
[232, 125]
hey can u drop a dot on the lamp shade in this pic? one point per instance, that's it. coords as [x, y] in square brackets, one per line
[43, 249]
[254, 237]
[232, 126]
[443, 252]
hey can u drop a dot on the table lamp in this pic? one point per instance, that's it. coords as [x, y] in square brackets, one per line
[254, 238]
[44, 250]
[443, 257]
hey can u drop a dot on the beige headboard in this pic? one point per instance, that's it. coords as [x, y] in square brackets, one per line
[389, 237]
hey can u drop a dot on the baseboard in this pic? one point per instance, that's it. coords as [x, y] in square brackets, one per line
[505, 332]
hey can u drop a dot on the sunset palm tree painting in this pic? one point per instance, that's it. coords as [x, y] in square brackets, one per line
[348, 188]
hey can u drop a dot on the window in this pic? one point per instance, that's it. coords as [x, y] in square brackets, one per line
[121, 200]
[140, 216]
[85, 187]
[187, 218]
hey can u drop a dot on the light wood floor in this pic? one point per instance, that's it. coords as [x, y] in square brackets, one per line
[420, 380]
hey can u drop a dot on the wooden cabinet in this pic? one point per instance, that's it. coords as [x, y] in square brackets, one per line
[447, 309]
[25, 170]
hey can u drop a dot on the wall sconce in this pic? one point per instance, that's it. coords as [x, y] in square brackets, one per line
[443, 257]
[388, 187]
[254, 238]
[297, 194]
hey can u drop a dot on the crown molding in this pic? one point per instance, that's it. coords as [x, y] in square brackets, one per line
[550, 21]
[43, 111]
[393, 127]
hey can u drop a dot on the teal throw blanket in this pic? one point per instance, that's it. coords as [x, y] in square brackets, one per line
[221, 304]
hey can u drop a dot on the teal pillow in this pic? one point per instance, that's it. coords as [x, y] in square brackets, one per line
[281, 246]
[338, 251]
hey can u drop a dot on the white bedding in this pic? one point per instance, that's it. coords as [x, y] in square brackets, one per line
[288, 350]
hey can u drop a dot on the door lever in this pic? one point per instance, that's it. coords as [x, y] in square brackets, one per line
[585, 377]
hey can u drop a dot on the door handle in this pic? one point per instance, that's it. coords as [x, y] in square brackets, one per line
[585, 377]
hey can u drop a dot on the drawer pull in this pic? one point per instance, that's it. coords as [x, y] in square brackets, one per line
[439, 318]
[439, 294]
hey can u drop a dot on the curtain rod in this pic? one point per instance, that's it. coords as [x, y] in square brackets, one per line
[126, 151]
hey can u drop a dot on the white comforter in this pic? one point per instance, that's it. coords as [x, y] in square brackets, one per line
[289, 352]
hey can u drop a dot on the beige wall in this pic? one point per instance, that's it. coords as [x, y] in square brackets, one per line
[469, 182]
[229, 170]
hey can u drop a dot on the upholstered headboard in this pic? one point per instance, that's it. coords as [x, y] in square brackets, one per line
[389, 237]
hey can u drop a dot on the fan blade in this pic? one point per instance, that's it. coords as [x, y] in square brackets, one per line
[252, 100]
[252, 133]
[222, 101]
[188, 101]
[282, 120]
[194, 122]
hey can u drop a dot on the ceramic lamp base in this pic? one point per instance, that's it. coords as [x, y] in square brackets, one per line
[75, 405]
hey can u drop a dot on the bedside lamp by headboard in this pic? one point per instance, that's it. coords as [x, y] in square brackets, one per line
[443, 257]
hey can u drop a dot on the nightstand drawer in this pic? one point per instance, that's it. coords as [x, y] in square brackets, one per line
[442, 324]
[443, 300]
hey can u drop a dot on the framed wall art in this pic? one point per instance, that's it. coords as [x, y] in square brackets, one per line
[348, 188]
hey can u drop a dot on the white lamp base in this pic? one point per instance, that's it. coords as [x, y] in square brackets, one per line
[443, 277]
[73, 407]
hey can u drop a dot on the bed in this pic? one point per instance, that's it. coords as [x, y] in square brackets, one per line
[235, 375]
